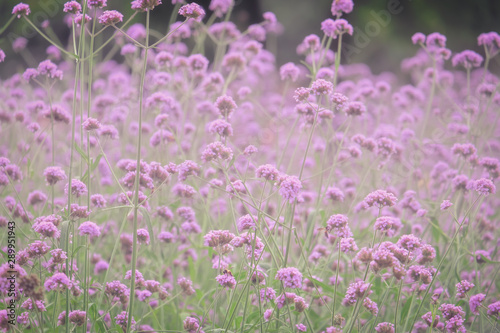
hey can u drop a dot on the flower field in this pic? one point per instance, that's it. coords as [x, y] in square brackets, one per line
[177, 178]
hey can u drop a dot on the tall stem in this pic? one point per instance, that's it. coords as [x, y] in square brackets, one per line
[137, 178]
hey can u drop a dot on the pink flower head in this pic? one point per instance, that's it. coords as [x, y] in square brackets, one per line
[379, 199]
[78, 188]
[143, 5]
[356, 290]
[192, 325]
[347, 244]
[355, 109]
[58, 282]
[142, 236]
[289, 187]
[226, 105]
[110, 17]
[77, 317]
[21, 9]
[446, 204]
[490, 40]
[226, 280]
[341, 27]
[463, 287]
[289, 71]
[385, 327]
[91, 124]
[72, 7]
[301, 327]
[89, 228]
[467, 59]
[192, 11]
[220, 7]
[418, 38]
[97, 3]
[290, 276]
[216, 150]
[341, 6]
[484, 186]
[321, 87]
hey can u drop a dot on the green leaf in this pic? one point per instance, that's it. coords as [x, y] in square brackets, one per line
[192, 270]
[488, 260]
[238, 321]
[64, 236]
[325, 287]
[406, 309]
[82, 154]
[253, 316]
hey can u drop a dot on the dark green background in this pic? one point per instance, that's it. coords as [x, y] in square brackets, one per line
[460, 20]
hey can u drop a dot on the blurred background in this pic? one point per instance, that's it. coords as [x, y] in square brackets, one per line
[383, 28]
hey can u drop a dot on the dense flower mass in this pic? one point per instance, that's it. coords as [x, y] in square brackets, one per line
[175, 170]
[290, 276]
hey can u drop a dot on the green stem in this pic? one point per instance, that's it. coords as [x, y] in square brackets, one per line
[137, 178]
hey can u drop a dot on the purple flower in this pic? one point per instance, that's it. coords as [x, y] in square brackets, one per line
[290, 276]
[97, 3]
[348, 245]
[267, 314]
[143, 5]
[246, 222]
[53, 175]
[58, 282]
[221, 127]
[142, 236]
[21, 9]
[475, 301]
[78, 188]
[341, 6]
[356, 291]
[216, 150]
[226, 105]
[379, 199]
[321, 87]
[336, 221]
[192, 11]
[220, 7]
[72, 7]
[186, 286]
[77, 317]
[226, 280]
[385, 328]
[301, 327]
[37, 249]
[187, 168]
[289, 71]
[91, 124]
[463, 287]
[446, 204]
[418, 38]
[494, 309]
[289, 187]
[90, 229]
[122, 320]
[101, 266]
[490, 40]
[47, 230]
[484, 186]
[192, 325]
[468, 59]
[354, 109]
